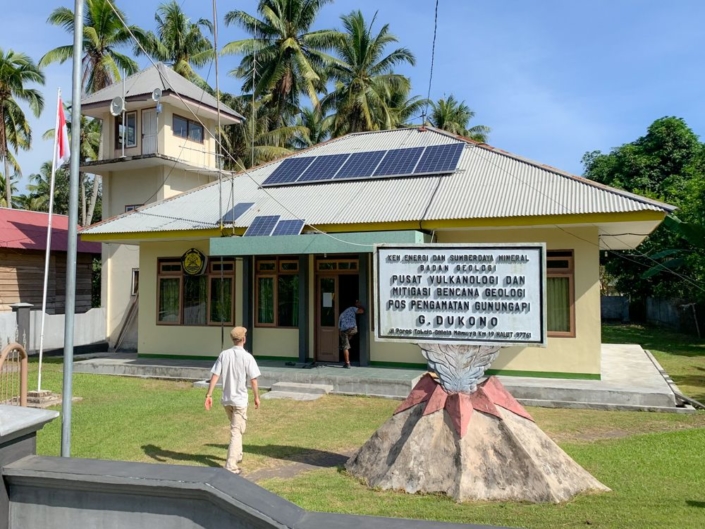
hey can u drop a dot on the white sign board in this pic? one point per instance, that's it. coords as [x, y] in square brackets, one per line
[476, 294]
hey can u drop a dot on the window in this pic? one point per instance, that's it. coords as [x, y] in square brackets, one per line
[560, 274]
[132, 207]
[196, 300]
[277, 292]
[129, 130]
[135, 281]
[328, 265]
[185, 128]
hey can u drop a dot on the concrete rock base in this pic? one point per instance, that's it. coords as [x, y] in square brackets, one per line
[498, 459]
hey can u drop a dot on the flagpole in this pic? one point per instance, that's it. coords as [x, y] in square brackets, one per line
[72, 230]
[47, 257]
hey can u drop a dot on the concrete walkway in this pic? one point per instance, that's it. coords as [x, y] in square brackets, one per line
[631, 380]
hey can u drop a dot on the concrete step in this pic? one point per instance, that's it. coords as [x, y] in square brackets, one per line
[291, 395]
[299, 387]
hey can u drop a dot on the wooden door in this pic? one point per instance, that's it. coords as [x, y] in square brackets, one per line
[149, 131]
[327, 337]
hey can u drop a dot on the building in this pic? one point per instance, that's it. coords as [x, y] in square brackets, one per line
[23, 239]
[161, 146]
[290, 289]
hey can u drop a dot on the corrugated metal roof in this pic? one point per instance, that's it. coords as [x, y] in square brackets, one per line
[157, 76]
[27, 230]
[488, 183]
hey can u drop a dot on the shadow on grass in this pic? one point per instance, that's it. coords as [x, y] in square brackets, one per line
[655, 338]
[693, 503]
[309, 456]
[163, 456]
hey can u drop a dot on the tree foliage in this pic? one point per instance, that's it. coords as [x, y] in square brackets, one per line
[103, 34]
[666, 164]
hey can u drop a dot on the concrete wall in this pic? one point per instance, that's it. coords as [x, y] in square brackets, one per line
[8, 328]
[89, 328]
[614, 308]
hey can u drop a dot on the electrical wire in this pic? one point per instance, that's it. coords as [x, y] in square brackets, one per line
[433, 59]
[217, 140]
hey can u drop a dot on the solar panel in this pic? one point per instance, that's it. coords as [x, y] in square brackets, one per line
[262, 226]
[323, 168]
[289, 227]
[360, 165]
[440, 159]
[399, 162]
[289, 170]
[237, 211]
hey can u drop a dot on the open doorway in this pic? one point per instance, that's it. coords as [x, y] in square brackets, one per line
[337, 288]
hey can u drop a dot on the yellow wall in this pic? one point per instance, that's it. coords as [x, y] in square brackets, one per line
[172, 339]
[198, 154]
[565, 355]
[276, 342]
[580, 355]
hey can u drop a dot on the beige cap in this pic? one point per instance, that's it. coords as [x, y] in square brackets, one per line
[238, 334]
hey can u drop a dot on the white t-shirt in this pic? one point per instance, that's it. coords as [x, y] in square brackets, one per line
[234, 366]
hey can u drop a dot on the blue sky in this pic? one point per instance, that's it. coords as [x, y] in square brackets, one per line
[552, 78]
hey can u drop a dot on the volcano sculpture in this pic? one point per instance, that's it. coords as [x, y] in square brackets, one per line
[470, 441]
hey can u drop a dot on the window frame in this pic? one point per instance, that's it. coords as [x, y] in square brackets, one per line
[563, 255]
[189, 124]
[274, 275]
[118, 124]
[211, 273]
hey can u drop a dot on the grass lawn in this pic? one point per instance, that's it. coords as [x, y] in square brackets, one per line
[655, 463]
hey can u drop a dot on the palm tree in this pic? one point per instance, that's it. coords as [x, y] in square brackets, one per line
[263, 144]
[365, 83]
[37, 198]
[90, 130]
[405, 109]
[103, 32]
[16, 70]
[18, 132]
[179, 42]
[315, 128]
[290, 58]
[13, 190]
[454, 116]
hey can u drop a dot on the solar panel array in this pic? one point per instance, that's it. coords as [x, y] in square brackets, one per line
[415, 161]
[267, 225]
[289, 227]
[237, 211]
[262, 226]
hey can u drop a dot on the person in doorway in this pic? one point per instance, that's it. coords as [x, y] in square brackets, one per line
[347, 326]
[235, 366]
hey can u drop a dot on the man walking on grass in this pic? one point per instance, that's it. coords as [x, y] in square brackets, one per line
[235, 366]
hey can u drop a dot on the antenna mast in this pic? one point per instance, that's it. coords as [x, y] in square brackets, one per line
[217, 98]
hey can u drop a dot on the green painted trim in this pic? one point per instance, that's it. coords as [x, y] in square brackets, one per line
[312, 243]
[277, 358]
[402, 365]
[214, 358]
[177, 357]
[544, 374]
[503, 372]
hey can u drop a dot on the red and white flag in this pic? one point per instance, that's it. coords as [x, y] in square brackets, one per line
[62, 138]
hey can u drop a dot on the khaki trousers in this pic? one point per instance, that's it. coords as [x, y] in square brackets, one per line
[238, 423]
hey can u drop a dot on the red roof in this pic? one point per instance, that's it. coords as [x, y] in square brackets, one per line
[27, 230]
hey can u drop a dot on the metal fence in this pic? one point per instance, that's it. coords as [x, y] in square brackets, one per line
[13, 375]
